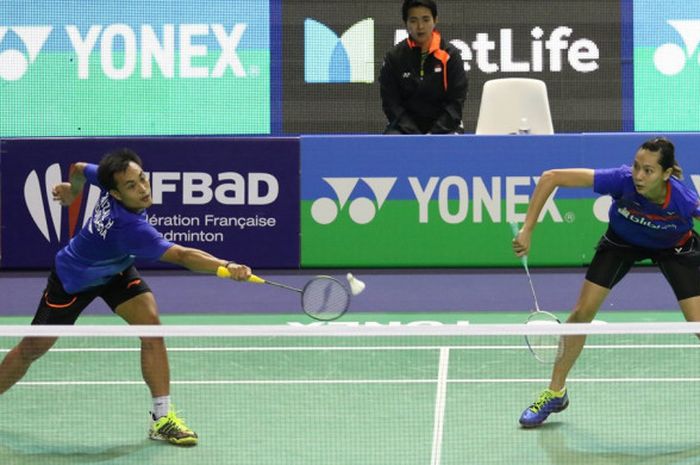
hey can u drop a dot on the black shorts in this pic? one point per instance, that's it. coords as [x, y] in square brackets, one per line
[57, 307]
[680, 266]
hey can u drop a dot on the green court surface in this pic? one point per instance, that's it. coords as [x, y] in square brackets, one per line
[386, 400]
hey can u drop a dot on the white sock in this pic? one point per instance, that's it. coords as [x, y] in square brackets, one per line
[161, 406]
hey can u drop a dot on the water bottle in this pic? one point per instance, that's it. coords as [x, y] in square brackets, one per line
[524, 127]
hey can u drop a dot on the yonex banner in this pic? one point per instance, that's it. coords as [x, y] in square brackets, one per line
[134, 67]
[446, 200]
[666, 66]
[235, 198]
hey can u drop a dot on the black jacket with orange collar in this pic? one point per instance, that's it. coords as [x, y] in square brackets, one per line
[427, 102]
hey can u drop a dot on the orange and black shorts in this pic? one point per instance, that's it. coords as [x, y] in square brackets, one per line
[58, 307]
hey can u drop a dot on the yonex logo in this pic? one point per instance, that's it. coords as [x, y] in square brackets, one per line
[122, 49]
[362, 210]
[14, 63]
[144, 47]
[38, 199]
[670, 59]
[349, 58]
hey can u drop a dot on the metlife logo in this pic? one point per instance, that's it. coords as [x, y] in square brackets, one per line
[329, 58]
[554, 52]
[134, 68]
[572, 49]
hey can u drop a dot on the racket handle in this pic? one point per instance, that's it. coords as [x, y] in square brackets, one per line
[256, 279]
[223, 272]
[515, 227]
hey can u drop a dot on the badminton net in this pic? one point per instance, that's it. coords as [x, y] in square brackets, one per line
[346, 395]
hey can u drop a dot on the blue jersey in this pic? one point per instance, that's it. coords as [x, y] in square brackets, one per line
[108, 243]
[641, 222]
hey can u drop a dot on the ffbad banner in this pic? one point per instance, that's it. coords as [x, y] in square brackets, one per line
[235, 198]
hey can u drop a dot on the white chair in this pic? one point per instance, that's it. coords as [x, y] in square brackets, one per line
[509, 104]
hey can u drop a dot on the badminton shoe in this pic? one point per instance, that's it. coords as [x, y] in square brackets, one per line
[171, 428]
[548, 402]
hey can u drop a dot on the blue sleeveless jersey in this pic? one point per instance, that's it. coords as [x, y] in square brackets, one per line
[641, 222]
[107, 244]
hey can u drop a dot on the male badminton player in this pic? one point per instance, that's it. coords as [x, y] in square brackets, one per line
[98, 262]
[651, 217]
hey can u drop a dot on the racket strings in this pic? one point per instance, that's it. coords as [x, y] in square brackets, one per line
[546, 348]
[325, 298]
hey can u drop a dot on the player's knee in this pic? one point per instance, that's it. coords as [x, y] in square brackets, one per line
[149, 318]
[580, 315]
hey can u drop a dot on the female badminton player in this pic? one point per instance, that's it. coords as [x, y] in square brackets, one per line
[651, 216]
[98, 262]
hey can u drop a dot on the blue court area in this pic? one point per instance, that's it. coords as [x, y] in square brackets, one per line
[388, 292]
[371, 400]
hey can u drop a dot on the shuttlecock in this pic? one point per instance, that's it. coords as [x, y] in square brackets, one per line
[356, 286]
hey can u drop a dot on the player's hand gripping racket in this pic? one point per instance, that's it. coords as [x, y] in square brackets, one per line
[323, 298]
[546, 348]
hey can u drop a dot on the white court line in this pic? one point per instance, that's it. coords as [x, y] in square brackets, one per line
[233, 382]
[362, 381]
[346, 330]
[440, 401]
[370, 348]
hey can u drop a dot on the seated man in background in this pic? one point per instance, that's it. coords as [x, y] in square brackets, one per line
[423, 84]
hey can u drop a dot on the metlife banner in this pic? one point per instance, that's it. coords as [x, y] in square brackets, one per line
[134, 67]
[235, 198]
[426, 201]
[333, 51]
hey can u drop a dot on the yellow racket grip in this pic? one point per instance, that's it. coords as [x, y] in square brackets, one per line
[223, 272]
[256, 279]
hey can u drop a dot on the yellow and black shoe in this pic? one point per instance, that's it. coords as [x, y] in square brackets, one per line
[171, 428]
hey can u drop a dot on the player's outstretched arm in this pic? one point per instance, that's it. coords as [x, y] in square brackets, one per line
[203, 262]
[548, 183]
[66, 192]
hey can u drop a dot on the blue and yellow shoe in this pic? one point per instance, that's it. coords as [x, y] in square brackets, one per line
[171, 428]
[548, 402]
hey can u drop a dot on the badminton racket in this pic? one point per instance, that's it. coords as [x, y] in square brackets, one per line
[546, 348]
[323, 298]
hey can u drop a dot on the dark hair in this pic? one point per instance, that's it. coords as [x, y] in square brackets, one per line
[408, 4]
[667, 154]
[116, 161]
